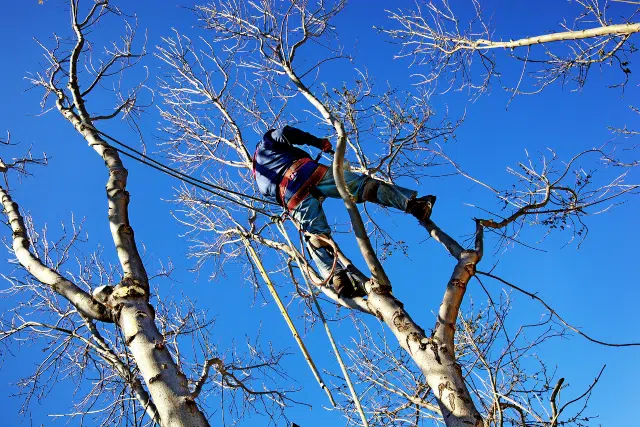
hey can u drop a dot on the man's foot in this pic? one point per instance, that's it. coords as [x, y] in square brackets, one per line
[344, 287]
[421, 207]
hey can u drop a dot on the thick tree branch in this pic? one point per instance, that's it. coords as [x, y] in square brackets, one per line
[117, 194]
[83, 302]
[615, 30]
[124, 371]
[464, 270]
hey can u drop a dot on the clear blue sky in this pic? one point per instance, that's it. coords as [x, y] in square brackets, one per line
[594, 286]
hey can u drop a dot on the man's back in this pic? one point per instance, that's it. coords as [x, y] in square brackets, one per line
[276, 153]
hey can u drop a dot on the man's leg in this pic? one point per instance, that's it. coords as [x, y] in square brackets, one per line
[365, 189]
[312, 219]
[398, 197]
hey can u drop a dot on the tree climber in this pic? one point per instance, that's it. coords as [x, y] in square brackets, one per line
[290, 176]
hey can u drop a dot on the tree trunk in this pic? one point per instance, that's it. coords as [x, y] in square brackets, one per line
[128, 300]
[167, 386]
[433, 357]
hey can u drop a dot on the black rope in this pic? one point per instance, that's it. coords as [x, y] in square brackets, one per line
[193, 183]
[182, 174]
[148, 161]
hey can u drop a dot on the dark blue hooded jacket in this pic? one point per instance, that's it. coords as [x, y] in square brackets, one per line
[276, 153]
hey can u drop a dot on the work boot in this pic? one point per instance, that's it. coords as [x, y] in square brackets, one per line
[421, 207]
[344, 287]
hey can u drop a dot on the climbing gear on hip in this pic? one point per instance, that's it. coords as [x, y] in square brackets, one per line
[305, 188]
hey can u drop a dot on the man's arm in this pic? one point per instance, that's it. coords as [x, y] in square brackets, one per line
[295, 136]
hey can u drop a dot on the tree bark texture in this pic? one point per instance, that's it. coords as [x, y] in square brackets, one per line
[618, 30]
[434, 357]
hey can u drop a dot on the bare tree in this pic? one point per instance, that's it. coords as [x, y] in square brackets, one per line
[242, 78]
[247, 70]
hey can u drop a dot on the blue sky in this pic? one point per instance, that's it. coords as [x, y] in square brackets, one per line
[592, 286]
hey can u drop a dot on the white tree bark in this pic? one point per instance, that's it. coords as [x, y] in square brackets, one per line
[79, 298]
[129, 300]
[435, 355]
[127, 303]
[618, 30]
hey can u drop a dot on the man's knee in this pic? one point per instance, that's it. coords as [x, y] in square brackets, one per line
[370, 190]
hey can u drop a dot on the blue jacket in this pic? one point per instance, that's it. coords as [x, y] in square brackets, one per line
[275, 154]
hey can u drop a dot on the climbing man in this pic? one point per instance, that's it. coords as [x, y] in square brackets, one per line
[290, 176]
